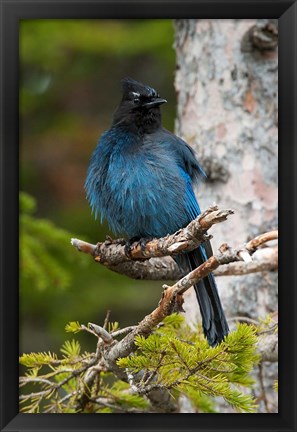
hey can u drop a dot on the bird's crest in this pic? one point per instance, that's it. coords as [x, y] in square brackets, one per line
[130, 85]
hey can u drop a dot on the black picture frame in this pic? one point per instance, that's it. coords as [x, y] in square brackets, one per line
[11, 13]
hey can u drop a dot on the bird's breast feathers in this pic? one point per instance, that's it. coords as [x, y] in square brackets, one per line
[138, 189]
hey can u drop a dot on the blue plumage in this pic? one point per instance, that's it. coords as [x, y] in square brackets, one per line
[141, 179]
[129, 184]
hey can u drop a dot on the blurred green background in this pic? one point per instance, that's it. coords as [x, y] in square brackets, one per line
[70, 72]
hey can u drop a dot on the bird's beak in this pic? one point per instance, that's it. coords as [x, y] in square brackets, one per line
[154, 102]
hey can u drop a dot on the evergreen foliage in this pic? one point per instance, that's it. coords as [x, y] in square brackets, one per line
[175, 358]
[46, 257]
[180, 359]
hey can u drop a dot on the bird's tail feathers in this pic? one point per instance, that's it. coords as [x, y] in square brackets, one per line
[214, 323]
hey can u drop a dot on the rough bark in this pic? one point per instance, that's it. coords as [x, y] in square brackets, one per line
[114, 254]
[226, 82]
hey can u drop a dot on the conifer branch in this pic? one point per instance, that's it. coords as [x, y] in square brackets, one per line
[155, 256]
[112, 252]
[228, 261]
[172, 300]
[152, 260]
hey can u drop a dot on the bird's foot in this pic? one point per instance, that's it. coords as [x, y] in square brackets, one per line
[141, 242]
[128, 246]
[118, 241]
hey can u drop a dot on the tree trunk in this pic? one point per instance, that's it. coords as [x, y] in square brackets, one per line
[226, 82]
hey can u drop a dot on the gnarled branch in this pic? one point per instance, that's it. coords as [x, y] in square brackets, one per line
[111, 253]
[154, 260]
[172, 300]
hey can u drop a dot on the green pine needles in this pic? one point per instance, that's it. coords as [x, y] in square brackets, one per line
[180, 360]
[175, 359]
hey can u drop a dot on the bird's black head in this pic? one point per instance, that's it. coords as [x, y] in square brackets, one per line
[140, 106]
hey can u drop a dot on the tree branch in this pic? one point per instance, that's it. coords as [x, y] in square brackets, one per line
[172, 300]
[111, 253]
[109, 350]
[266, 260]
[153, 261]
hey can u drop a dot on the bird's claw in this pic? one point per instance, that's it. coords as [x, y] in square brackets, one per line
[128, 246]
[141, 242]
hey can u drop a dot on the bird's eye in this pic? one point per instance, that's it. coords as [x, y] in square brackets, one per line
[135, 96]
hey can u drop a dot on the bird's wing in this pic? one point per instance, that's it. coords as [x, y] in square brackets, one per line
[193, 209]
[97, 172]
[192, 206]
[185, 156]
[190, 170]
[189, 167]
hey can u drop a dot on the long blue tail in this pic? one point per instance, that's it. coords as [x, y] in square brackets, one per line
[214, 323]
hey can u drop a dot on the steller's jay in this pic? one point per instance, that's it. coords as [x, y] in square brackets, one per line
[141, 179]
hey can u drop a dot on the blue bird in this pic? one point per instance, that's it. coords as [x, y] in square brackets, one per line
[141, 178]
